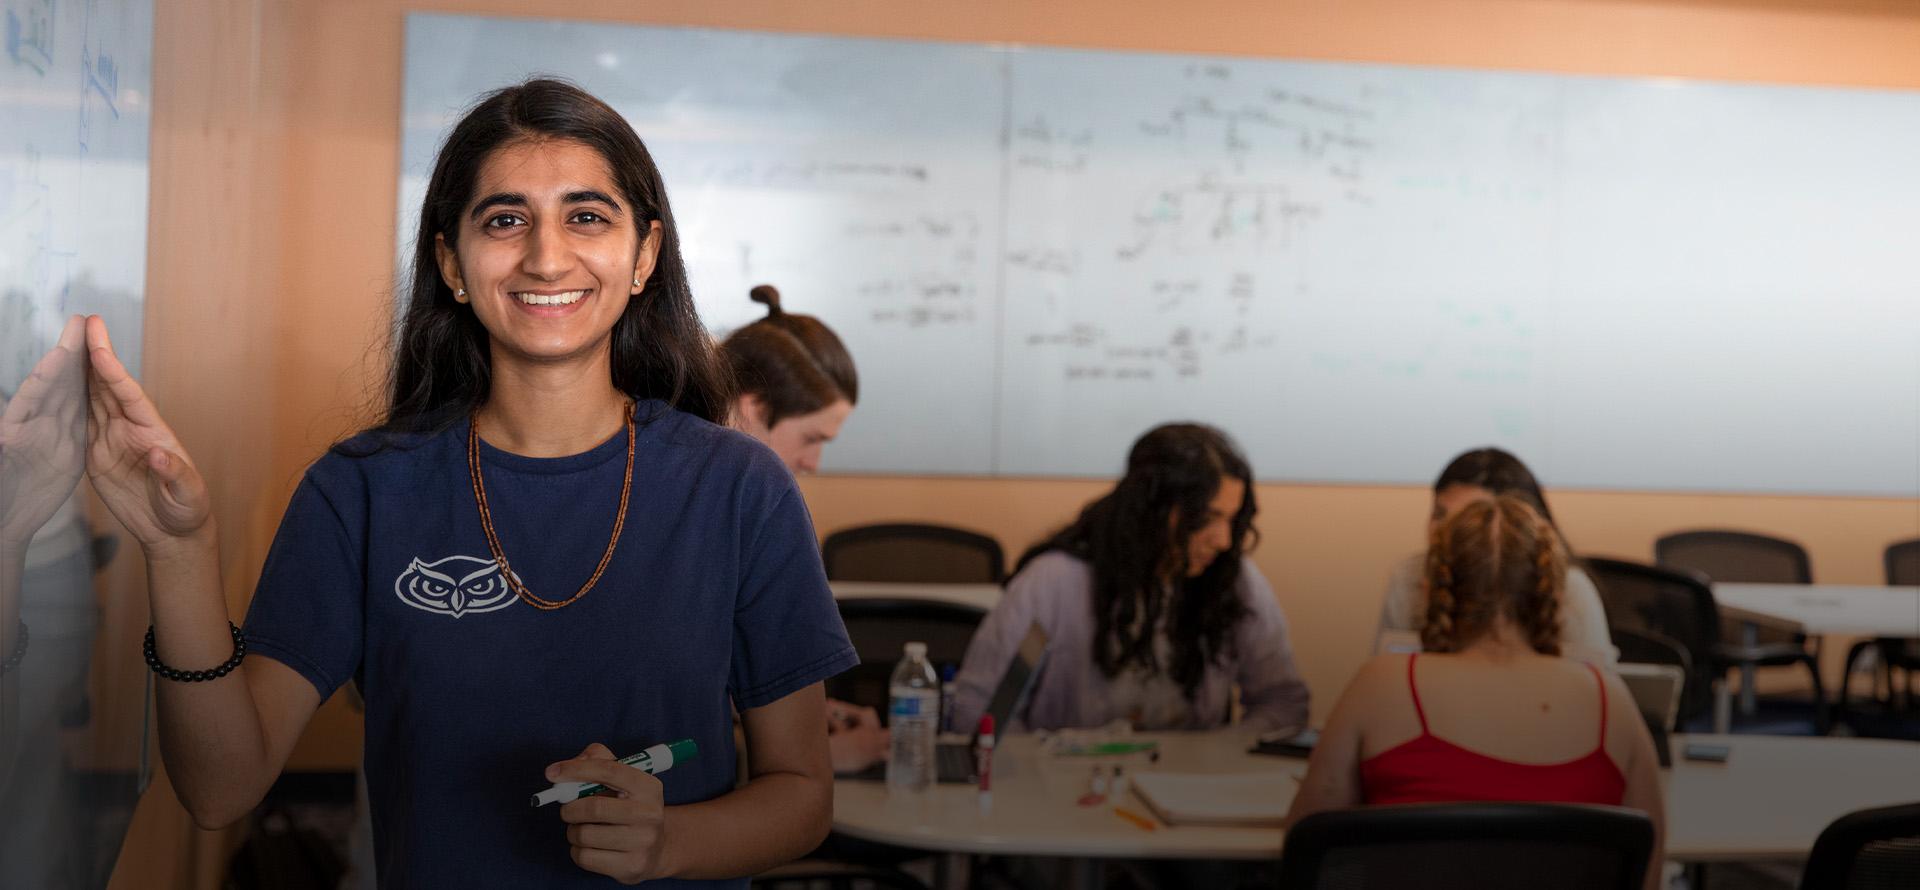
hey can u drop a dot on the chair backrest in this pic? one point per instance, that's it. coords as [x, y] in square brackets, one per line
[1484, 846]
[1662, 607]
[1903, 569]
[1903, 563]
[1875, 849]
[1734, 556]
[1645, 646]
[912, 553]
[880, 629]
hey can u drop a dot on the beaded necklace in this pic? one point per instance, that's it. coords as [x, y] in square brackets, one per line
[493, 539]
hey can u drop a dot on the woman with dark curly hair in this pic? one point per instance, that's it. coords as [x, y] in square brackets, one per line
[1490, 710]
[1152, 611]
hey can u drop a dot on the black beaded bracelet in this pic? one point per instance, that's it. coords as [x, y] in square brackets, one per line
[18, 655]
[179, 676]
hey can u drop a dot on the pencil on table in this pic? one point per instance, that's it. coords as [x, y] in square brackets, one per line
[1142, 822]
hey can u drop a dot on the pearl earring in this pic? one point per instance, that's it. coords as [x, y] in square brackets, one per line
[636, 282]
[460, 292]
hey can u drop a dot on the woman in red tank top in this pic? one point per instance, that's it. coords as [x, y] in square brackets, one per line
[1491, 712]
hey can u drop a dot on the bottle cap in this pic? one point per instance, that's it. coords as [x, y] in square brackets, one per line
[986, 726]
[916, 650]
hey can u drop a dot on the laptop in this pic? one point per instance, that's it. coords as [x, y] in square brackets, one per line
[954, 760]
[1656, 692]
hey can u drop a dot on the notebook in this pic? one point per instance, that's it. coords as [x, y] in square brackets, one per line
[1253, 799]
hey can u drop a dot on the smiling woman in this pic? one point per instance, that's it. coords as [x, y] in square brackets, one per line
[554, 400]
[549, 258]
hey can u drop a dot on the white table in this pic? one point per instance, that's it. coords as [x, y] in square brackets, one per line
[980, 596]
[1775, 794]
[1815, 610]
[1034, 810]
[1770, 800]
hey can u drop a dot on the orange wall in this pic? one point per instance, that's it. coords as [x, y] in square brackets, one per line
[271, 234]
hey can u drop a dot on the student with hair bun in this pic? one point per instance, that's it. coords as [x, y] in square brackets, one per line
[1490, 711]
[796, 382]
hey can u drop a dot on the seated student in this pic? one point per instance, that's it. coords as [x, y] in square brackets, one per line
[796, 382]
[1152, 612]
[1490, 711]
[1479, 475]
[795, 385]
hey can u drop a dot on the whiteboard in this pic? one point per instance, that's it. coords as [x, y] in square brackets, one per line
[74, 90]
[1357, 270]
[75, 96]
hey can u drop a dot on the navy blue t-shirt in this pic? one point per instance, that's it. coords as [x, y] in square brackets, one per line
[380, 572]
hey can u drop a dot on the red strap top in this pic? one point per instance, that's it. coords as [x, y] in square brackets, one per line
[1429, 769]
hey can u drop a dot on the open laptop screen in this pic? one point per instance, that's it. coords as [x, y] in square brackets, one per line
[1015, 688]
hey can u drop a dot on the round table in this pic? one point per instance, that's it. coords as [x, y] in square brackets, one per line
[1770, 800]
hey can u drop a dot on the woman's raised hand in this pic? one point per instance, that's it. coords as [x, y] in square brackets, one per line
[136, 463]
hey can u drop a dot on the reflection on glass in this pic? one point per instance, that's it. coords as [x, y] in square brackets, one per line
[75, 86]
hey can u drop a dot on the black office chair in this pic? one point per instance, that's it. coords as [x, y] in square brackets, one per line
[1896, 654]
[807, 873]
[1875, 849]
[1673, 608]
[912, 553]
[1736, 556]
[881, 628]
[1903, 570]
[1903, 563]
[1483, 846]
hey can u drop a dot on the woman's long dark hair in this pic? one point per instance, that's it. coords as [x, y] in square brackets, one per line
[442, 368]
[1136, 538]
[1500, 473]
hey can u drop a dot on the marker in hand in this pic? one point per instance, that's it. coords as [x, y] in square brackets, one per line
[655, 760]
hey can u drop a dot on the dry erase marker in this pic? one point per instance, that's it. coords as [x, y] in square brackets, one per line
[983, 761]
[655, 760]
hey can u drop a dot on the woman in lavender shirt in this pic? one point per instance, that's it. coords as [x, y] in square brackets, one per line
[1153, 613]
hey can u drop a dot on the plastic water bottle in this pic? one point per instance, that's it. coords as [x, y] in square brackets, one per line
[913, 708]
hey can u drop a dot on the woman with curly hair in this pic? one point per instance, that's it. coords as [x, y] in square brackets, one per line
[1152, 611]
[1478, 475]
[1490, 710]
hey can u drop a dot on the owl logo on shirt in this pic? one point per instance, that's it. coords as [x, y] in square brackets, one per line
[456, 585]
